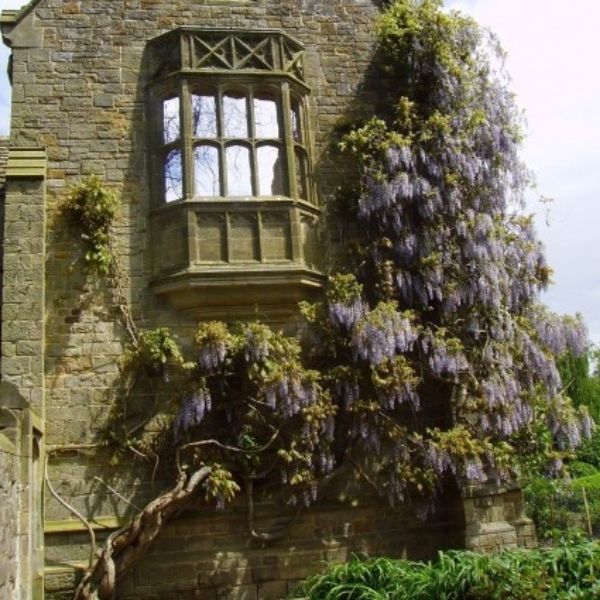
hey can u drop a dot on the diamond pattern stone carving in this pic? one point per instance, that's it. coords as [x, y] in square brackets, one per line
[248, 51]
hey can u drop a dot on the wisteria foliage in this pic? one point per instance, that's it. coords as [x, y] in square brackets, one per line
[434, 358]
[247, 387]
[449, 269]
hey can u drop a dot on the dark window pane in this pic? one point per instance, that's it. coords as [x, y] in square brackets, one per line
[266, 124]
[301, 175]
[235, 115]
[206, 169]
[173, 177]
[296, 121]
[171, 120]
[204, 116]
[239, 174]
[270, 171]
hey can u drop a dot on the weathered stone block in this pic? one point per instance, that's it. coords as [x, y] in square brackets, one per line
[242, 592]
[273, 590]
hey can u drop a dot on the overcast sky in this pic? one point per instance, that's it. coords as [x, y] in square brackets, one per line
[553, 51]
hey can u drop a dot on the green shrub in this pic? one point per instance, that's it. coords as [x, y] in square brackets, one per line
[591, 483]
[92, 208]
[578, 468]
[568, 572]
[589, 451]
[546, 502]
[558, 507]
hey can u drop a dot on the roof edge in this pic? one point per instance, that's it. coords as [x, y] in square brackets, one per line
[11, 17]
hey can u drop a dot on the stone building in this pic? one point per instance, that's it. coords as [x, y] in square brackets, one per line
[213, 121]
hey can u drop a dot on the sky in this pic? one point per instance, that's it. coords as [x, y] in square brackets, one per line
[553, 49]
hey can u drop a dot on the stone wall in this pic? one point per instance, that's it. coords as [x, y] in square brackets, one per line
[79, 91]
[495, 519]
[20, 498]
[208, 556]
[9, 514]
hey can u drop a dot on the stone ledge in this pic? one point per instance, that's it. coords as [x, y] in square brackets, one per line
[27, 163]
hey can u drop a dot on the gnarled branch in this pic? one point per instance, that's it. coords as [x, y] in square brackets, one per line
[124, 547]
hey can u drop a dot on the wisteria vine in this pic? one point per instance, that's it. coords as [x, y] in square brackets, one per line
[449, 270]
[431, 356]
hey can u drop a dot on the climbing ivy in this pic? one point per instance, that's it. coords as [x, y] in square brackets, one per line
[92, 208]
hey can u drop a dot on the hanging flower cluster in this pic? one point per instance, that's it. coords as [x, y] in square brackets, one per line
[212, 339]
[192, 410]
[435, 358]
[448, 270]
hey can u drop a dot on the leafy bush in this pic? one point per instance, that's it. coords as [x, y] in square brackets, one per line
[546, 504]
[578, 468]
[557, 507]
[589, 451]
[582, 386]
[591, 483]
[567, 572]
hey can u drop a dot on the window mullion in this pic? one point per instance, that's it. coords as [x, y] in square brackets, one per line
[289, 141]
[252, 132]
[309, 147]
[221, 136]
[187, 140]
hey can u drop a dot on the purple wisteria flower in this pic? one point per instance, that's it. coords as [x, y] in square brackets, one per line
[257, 343]
[212, 355]
[192, 411]
[383, 333]
[346, 314]
[291, 395]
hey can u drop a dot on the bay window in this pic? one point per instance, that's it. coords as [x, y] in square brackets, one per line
[235, 214]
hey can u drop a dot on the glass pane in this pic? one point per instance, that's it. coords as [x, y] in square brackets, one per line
[206, 169]
[296, 124]
[235, 115]
[171, 120]
[265, 116]
[204, 116]
[270, 171]
[173, 178]
[239, 174]
[301, 175]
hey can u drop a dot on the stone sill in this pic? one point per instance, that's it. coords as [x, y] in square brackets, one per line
[273, 291]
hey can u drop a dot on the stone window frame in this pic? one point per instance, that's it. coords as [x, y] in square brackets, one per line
[282, 76]
[293, 139]
[214, 256]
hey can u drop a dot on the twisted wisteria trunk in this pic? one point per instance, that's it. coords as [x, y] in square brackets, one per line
[126, 546]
